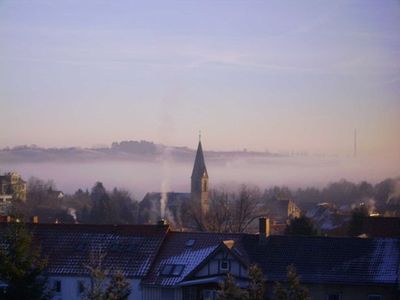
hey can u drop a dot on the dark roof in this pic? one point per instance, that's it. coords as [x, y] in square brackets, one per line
[69, 248]
[199, 167]
[175, 251]
[382, 227]
[328, 260]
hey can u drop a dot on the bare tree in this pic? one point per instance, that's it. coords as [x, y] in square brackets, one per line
[229, 212]
[244, 208]
[218, 218]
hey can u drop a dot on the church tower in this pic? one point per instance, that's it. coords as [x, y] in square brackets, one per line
[199, 186]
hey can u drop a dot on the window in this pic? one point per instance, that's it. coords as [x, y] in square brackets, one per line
[3, 288]
[167, 269]
[209, 294]
[190, 243]
[177, 270]
[57, 286]
[224, 265]
[80, 287]
[333, 297]
[205, 186]
[172, 270]
[375, 297]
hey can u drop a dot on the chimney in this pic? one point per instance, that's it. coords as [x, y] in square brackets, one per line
[35, 219]
[162, 222]
[264, 229]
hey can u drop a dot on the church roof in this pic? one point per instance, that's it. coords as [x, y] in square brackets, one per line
[199, 167]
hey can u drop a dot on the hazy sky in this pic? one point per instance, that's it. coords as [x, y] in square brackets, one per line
[277, 75]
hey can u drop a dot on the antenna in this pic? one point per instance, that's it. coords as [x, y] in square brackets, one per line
[355, 143]
[199, 135]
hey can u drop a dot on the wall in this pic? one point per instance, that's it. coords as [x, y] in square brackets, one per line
[212, 268]
[70, 289]
[158, 293]
[347, 292]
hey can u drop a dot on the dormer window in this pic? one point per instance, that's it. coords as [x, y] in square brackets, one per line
[172, 270]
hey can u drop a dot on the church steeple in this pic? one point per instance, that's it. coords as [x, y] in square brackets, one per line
[199, 186]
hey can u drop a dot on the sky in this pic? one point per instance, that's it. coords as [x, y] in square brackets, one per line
[260, 75]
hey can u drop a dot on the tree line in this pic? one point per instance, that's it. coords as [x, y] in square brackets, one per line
[231, 210]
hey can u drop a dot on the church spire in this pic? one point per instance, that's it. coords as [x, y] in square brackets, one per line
[199, 186]
[199, 168]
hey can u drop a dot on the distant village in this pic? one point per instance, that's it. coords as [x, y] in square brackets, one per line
[341, 242]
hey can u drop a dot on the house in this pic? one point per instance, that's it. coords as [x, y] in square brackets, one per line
[190, 265]
[165, 265]
[331, 267]
[71, 248]
[329, 220]
[12, 187]
[12, 184]
[281, 211]
[5, 204]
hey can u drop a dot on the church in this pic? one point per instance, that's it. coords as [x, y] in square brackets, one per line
[175, 202]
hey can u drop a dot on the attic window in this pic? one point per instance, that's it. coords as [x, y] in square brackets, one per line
[224, 265]
[190, 243]
[172, 270]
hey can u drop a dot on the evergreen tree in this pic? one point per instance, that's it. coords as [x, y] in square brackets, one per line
[356, 224]
[230, 291]
[21, 266]
[257, 283]
[103, 212]
[300, 226]
[293, 290]
[119, 288]
[97, 279]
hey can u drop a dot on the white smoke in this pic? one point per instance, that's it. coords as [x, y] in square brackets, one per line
[395, 194]
[370, 205]
[72, 212]
[164, 198]
[165, 186]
